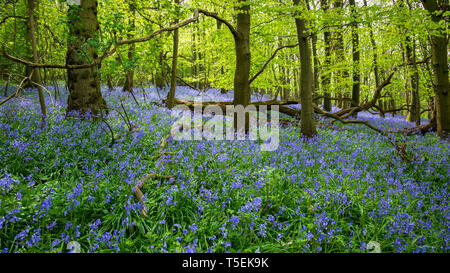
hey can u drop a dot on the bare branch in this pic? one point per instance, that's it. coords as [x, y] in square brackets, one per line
[15, 94]
[261, 70]
[336, 117]
[377, 94]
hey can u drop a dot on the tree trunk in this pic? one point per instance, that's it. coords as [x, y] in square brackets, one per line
[129, 71]
[243, 61]
[355, 54]
[326, 75]
[316, 68]
[84, 84]
[374, 55]
[194, 69]
[439, 63]
[296, 84]
[414, 114]
[307, 125]
[32, 29]
[340, 52]
[315, 57]
[242, 72]
[36, 77]
[173, 82]
[393, 106]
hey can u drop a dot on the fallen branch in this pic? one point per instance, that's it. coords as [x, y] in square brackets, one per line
[19, 88]
[137, 189]
[377, 94]
[336, 117]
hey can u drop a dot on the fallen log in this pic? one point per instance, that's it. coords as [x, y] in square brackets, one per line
[222, 104]
[296, 113]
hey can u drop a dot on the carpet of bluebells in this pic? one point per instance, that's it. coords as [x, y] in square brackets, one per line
[63, 182]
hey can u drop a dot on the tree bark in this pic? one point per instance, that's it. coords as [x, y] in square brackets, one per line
[194, 68]
[326, 77]
[316, 67]
[129, 71]
[32, 29]
[36, 76]
[84, 84]
[356, 57]
[339, 49]
[439, 63]
[173, 82]
[414, 114]
[243, 58]
[374, 53]
[243, 61]
[308, 126]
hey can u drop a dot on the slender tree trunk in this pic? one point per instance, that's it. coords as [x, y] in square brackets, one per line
[296, 84]
[84, 84]
[222, 90]
[173, 82]
[242, 42]
[194, 68]
[439, 51]
[307, 125]
[129, 71]
[36, 77]
[375, 60]
[393, 106]
[109, 82]
[340, 52]
[414, 114]
[32, 29]
[326, 75]
[356, 57]
[375, 54]
[316, 68]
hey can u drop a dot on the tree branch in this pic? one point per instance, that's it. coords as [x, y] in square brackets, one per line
[261, 70]
[12, 16]
[220, 19]
[106, 53]
[349, 111]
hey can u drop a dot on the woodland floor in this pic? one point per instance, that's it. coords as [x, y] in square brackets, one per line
[337, 192]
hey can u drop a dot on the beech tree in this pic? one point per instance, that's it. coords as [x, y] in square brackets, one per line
[356, 58]
[382, 51]
[439, 61]
[35, 76]
[173, 82]
[308, 127]
[84, 84]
